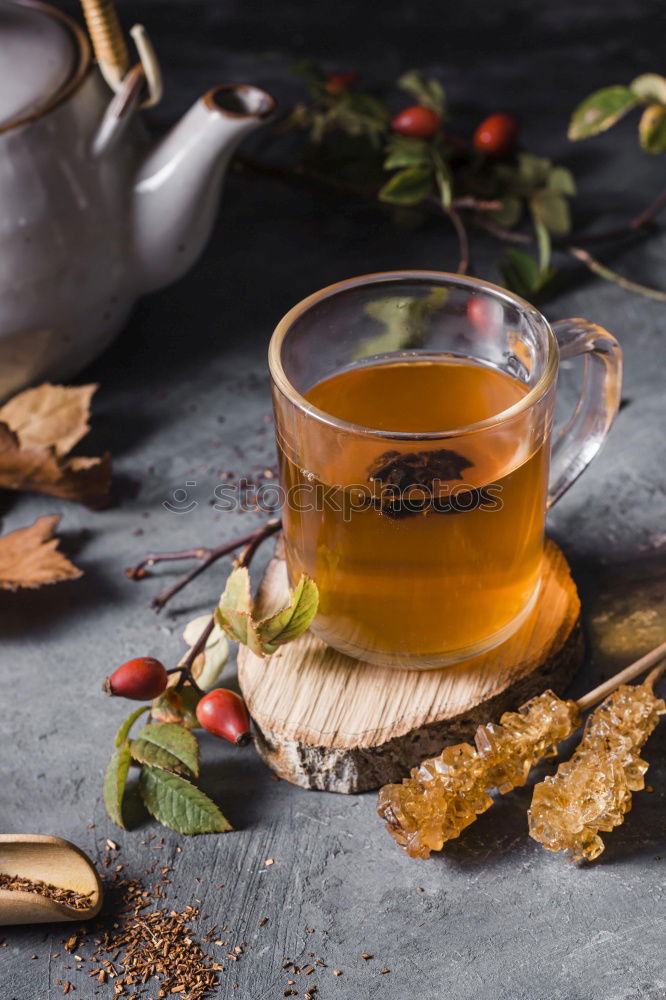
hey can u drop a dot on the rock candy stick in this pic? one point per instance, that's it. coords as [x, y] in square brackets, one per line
[446, 793]
[591, 792]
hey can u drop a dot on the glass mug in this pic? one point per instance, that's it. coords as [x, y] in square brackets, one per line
[413, 418]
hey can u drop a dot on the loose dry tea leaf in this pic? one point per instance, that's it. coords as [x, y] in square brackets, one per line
[114, 783]
[178, 804]
[69, 897]
[173, 740]
[37, 430]
[29, 556]
[50, 415]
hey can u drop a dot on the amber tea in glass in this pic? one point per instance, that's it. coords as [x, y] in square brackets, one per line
[413, 434]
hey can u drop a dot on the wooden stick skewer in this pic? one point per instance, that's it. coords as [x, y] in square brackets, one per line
[624, 676]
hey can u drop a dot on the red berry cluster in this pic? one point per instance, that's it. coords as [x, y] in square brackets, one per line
[220, 712]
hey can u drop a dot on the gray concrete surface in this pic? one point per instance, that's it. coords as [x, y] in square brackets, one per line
[183, 397]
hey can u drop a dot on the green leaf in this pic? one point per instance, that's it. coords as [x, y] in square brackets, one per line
[291, 621]
[652, 129]
[114, 783]
[443, 179]
[543, 243]
[234, 612]
[401, 151]
[649, 87]
[176, 741]
[510, 213]
[144, 752]
[552, 210]
[179, 804]
[237, 594]
[561, 180]
[407, 187]
[601, 110]
[533, 171]
[123, 732]
[404, 319]
[428, 92]
[523, 275]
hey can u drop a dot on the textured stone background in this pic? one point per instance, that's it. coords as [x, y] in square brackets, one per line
[495, 918]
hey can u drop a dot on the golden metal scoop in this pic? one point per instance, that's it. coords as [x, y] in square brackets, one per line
[49, 860]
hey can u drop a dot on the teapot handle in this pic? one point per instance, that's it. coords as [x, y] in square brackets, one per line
[581, 437]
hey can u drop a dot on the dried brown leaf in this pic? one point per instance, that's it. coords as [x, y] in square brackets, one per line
[41, 470]
[50, 415]
[29, 556]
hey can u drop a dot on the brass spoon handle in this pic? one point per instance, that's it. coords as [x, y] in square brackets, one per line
[107, 38]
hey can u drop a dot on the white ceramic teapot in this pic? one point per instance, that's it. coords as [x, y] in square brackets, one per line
[92, 216]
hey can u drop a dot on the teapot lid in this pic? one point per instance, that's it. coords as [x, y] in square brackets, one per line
[43, 54]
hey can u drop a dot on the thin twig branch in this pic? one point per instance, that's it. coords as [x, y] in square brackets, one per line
[597, 267]
[206, 555]
[463, 239]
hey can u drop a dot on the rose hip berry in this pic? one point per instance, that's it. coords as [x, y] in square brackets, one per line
[496, 135]
[484, 314]
[141, 679]
[337, 82]
[224, 713]
[416, 122]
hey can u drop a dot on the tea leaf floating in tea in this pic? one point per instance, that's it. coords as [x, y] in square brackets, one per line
[592, 791]
[446, 793]
[410, 482]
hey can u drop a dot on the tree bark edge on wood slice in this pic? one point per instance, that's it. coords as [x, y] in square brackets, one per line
[327, 722]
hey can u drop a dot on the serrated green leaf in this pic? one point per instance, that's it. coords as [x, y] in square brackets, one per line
[426, 91]
[652, 129]
[401, 151]
[178, 804]
[175, 740]
[234, 612]
[510, 213]
[123, 732]
[601, 110]
[552, 210]
[291, 621]
[649, 87]
[144, 752]
[407, 187]
[237, 594]
[114, 783]
[561, 180]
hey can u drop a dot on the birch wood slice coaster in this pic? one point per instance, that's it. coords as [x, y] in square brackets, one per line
[327, 721]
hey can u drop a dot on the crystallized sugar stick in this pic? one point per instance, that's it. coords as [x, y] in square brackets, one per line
[591, 792]
[446, 793]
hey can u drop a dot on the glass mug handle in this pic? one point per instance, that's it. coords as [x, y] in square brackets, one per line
[577, 442]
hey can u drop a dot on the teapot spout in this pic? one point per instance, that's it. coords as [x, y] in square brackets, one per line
[177, 189]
